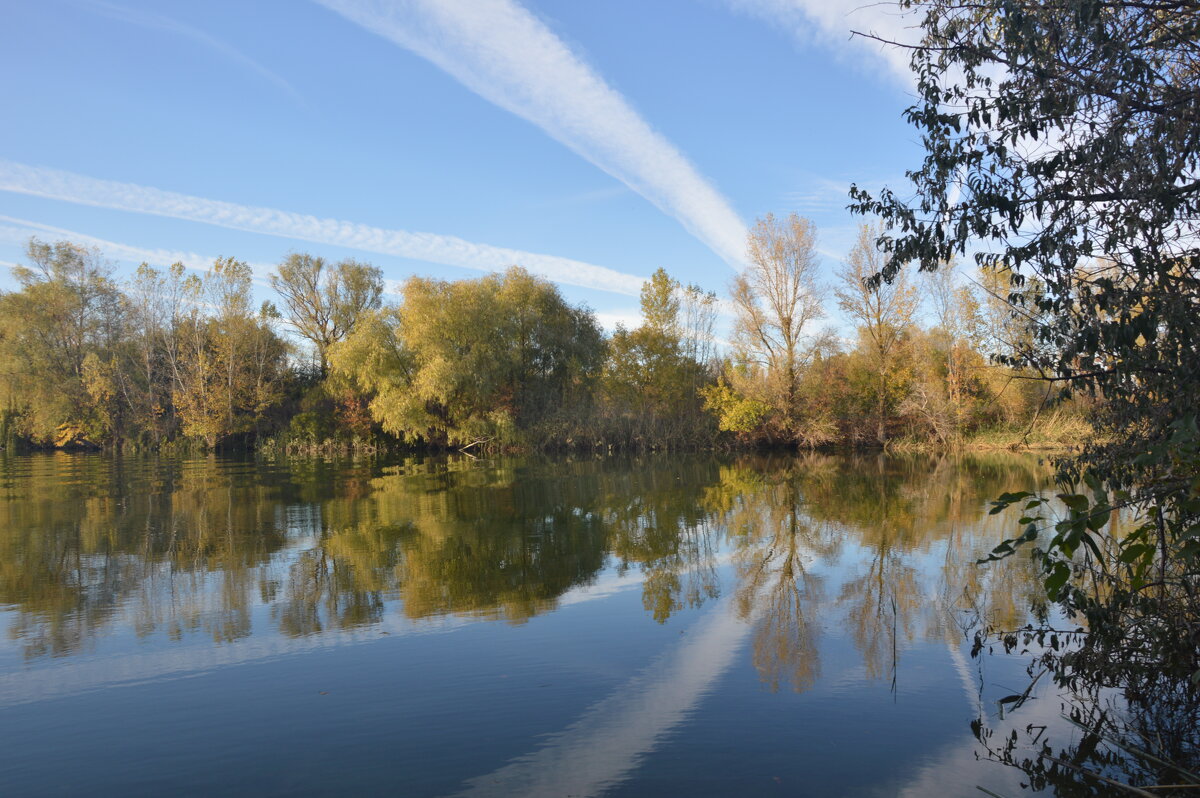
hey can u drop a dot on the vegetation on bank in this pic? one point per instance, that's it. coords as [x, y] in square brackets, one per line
[170, 358]
[1062, 143]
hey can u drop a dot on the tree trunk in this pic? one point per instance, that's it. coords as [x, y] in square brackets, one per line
[881, 427]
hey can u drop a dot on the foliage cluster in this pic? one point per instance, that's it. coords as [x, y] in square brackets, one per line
[900, 382]
[1063, 144]
[499, 362]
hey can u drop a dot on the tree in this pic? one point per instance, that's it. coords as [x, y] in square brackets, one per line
[957, 315]
[775, 300]
[152, 312]
[652, 375]
[1061, 141]
[322, 301]
[58, 334]
[697, 323]
[230, 363]
[474, 360]
[884, 312]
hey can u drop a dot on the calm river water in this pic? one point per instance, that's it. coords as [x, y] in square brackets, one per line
[664, 625]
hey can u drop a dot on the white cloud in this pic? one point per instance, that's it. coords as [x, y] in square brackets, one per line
[19, 231]
[819, 195]
[609, 321]
[831, 23]
[158, 22]
[69, 187]
[590, 197]
[506, 55]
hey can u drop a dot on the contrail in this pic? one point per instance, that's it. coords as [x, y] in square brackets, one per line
[506, 55]
[611, 738]
[19, 231]
[830, 22]
[154, 21]
[70, 187]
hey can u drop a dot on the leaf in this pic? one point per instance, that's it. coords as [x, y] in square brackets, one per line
[1135, 552]
[1075, 501]
[1099, 517]
[1057, 579]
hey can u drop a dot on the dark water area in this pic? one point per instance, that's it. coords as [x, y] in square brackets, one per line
[665, 625]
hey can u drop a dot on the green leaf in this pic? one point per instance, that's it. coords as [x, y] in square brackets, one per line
[1054, 583]
[1135, 552]
[1099, 517]
[1075, 501]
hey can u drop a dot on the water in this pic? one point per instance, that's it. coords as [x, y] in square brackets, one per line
[666, 625]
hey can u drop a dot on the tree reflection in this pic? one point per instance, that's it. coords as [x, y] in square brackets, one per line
[81, 545]
[761, 507]
[91, 546]
[658, 523]
[879, 524]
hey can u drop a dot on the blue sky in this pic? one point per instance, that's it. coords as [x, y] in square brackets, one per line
[591, 141]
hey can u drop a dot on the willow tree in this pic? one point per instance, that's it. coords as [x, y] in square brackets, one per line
[58, 336]
[1063, 146]
[474, 360]
[230, 362]
[884, 313]
[323, 301]
[775, 301]
[652, 376]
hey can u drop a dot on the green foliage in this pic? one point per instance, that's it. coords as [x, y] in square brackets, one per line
[230, 364]
[325, 301]
[475, 360]
[653, 380]
[500, 362]
[1060, 144]
[735, 413]
[310, 427]
[55, 332]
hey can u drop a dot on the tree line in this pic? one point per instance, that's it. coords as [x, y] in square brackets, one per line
[170, 357]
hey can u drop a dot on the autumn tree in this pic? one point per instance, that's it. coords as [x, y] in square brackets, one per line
[474, 360]
[956, 314]
[59, 335]
[230, 360]
[153, 299]
[775, 300]
[653, 373]
[323, 301]
[884, 312]
[697, 328]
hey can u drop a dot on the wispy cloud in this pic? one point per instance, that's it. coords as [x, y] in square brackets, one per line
[819, 195]
[503, 53]
[19, 231]
[154, 21]
[830, 23]
[69, 187]
[590, 197]
[630, 320]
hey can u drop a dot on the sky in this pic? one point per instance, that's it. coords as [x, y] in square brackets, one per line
[590, 141]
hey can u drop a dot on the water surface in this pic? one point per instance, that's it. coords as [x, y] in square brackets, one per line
[649, 626]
